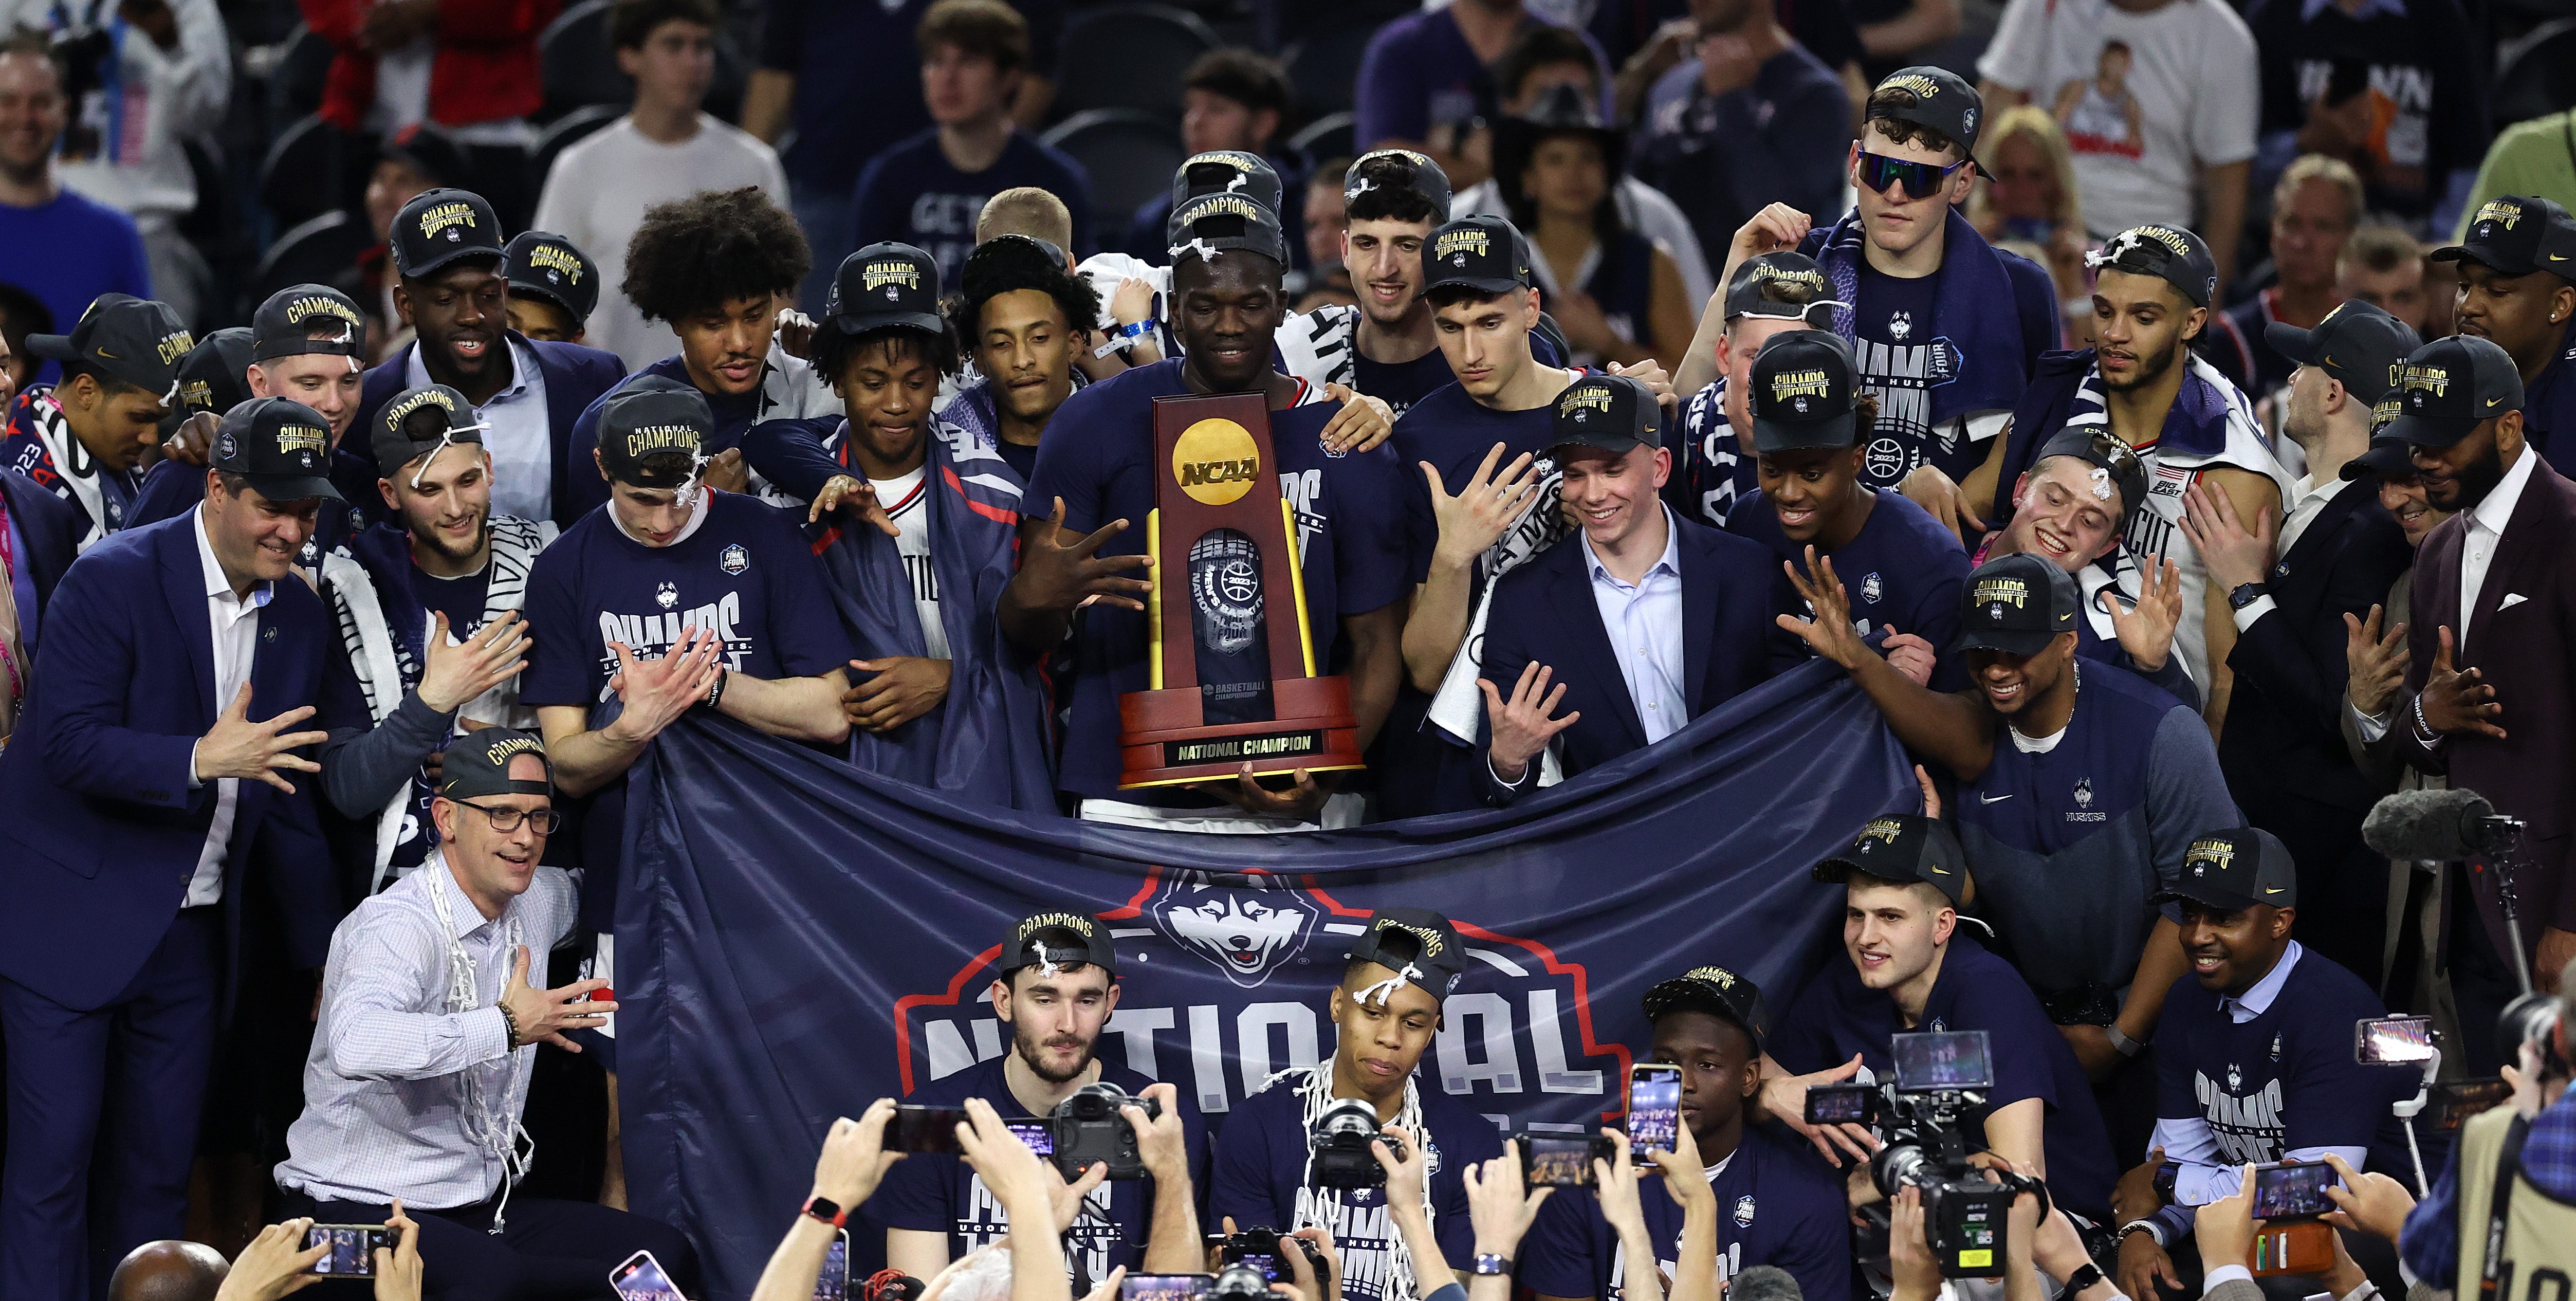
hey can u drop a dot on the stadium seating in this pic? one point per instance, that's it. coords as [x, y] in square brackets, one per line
[1128, 56]
[1130, 154]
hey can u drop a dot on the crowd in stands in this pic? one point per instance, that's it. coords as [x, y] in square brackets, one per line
[415, 407]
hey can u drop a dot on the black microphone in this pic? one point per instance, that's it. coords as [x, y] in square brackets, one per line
[2437, 826]
[1764, 1283]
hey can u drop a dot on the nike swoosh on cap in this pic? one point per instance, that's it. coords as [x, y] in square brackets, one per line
[2271, 889]
[104, 354]
[2495, 401]
[1940, 871]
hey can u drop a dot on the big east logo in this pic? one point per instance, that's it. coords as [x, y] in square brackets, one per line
[1225, 979]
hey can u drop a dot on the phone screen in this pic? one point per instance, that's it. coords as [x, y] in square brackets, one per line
[1165, 1287]
[2286, 1190]
[641, 1278]
[1956, 1060]
[2394, 1040]
[1038, 1134]
[352, 1251]
[924, 1129]
[1654, 1109]
[833, 1284]
[1558, 1162]
[1844, 1105]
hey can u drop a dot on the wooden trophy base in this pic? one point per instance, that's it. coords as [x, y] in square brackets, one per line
[1161, 742]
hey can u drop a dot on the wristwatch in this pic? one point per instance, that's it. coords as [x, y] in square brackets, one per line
[1488, 1265]
[2168, 1173]
[2085, 1275]
[2245, 594]
[828, 1211]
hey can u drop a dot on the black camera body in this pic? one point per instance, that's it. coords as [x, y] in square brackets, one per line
[1240, 1283]
[1261, 1247]
[1338, 1146]
[1089, 1131]
[1921, 1120]
[2532, 1019]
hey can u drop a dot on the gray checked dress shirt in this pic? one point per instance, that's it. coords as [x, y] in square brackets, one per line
[389, 1086]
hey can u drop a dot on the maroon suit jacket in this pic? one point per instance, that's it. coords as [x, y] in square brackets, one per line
[2527, 652]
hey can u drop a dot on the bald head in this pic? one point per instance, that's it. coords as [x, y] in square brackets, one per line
[168, 1270]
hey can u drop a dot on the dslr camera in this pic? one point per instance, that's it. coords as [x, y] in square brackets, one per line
[2532, 1019]
[1920, 1118]
[1339, 1144]
[1261, 1247]
[1240, 1283]
[1089, 1130]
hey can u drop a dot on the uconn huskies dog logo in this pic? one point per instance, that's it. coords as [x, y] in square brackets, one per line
[1246, 933]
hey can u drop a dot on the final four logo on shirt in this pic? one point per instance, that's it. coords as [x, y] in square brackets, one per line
[1246, 963]
[1744, 1211]
[666, 595]
[736, 558]
[1871, 588]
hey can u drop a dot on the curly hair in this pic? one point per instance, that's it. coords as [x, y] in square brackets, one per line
[1886, 102]
[694, 255]
[834, 349]
[1007, 265]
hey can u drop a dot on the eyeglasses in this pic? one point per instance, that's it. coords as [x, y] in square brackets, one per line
[1878, 171]
[543, 821]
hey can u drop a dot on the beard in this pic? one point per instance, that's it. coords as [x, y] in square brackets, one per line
[2150, 369]
[434, 541]
[1034, 1056]
[2479, 477]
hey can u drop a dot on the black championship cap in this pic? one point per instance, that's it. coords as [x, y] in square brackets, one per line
[2234, 870]
[1225, 222]
[1427, 179]
[647, 418]
[430, 151]
[478, 764]
[1227, 171]
[1613, 413]
[214, 376]
[1057, 939]
[2358, 344]
[2449, 385]
[885, 284]
[303, 319]
[2169, 253]
[2516, 235]
[1782, 286]
[137, 340]
[2017, 604]
[440, 226]
[1943, 101]
[1417, 944]
[1801, 394]
[2115, 464]
[417, 422]
[1714, 990]
[546, 265]
[1485, 254]
[1902, 847]
[2389, 456]
[281, 445]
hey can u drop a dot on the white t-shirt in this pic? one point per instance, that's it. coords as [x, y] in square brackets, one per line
[2191, 79]
[598, 190]
[905, 501]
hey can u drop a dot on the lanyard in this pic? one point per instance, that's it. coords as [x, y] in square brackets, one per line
[2508, 1164]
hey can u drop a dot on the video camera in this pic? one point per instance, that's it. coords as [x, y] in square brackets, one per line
[1920, 1118]
[1339, 1143]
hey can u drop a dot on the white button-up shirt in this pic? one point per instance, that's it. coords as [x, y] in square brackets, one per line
[521, 438]
[234, 622]
[385, 1087]
[1644, 623]
[2485, 531]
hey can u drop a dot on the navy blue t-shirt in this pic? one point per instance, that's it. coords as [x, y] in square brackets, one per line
[2284, 1081]
[1776, 1205]
[1454, 432]
[2549, 410]
[1401, 384]
[1835, 1016]
[734, 413]
[1260, 1179]
[1899, 361]
[937, 1193]
[461, 599]
[1901, 569]
[1097, 455]
[912, 193]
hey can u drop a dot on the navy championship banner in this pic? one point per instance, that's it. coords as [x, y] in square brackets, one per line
[797, 937]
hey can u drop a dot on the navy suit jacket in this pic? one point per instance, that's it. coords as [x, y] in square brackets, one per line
[2284, 729]
[52, 529]
[575, 377]
[103, 831]
[1544, 611]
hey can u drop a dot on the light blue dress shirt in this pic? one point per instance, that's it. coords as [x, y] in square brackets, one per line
[1644, 623]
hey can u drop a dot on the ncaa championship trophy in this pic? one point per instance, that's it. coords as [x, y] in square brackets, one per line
[1231, 663]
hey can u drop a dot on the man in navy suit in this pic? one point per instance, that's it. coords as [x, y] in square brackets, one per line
[447, 249]
[1646, 623]
[155, 763]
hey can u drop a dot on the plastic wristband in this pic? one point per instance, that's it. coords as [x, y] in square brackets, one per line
[715, 693]
[2424, 733]
[1125, 336]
